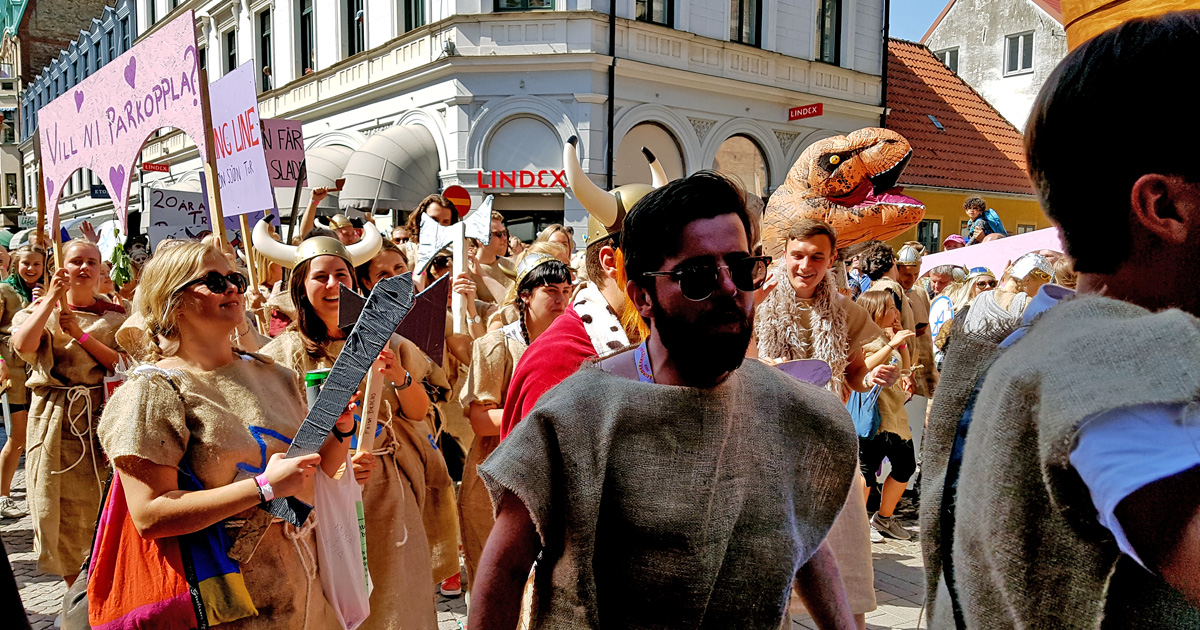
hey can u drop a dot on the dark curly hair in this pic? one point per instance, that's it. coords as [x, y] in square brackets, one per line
[876, 260]
[413, 224]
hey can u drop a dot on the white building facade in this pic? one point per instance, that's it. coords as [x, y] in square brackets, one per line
[483, 93]
[1005, 49]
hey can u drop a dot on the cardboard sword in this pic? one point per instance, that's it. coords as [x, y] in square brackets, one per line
[389, 303]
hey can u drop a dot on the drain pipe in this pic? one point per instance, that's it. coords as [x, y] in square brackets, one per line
[612, 86]
[883, 79]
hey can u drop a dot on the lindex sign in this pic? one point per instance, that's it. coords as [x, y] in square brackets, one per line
[157, 168]
[522, 179]
[806, 111]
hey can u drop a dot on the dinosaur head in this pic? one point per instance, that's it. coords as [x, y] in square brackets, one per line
[849, 182]
[848, 169]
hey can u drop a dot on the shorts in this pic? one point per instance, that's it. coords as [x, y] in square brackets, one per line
[895, 449]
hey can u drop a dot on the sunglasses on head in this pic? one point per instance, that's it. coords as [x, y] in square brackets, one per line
[217, 282]
[698, 281]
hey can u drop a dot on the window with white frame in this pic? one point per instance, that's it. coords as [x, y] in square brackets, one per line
[231, 55]
[949, 57]
[356, 40]
[829, 31]
[1018, 53]
[308, 49]
[745, 22]
[655, 12]
[264, 50]
[414, 14]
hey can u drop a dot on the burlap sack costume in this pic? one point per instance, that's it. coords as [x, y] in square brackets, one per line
[64, 467]
[827, 327]
[12, 303]
[659, 496]
[455, 422]
[493, 358]
[925, 373]
[225, 424]
[1028, 551]
[408, 488]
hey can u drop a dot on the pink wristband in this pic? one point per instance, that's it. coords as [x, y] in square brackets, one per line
[84, 337]
[265, 486]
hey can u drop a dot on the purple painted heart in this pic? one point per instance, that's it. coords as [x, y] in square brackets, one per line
[116, 175]
[49, 189]
[78, 101]
[131, 72]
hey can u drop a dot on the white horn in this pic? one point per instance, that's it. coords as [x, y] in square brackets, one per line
[281, 253]
[365, 249]
[598, 203]
[658, 176]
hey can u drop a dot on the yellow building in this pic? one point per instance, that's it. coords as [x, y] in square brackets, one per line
[962, 147]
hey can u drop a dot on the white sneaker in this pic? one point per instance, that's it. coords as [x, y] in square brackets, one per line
[9, 509]
[876, 537]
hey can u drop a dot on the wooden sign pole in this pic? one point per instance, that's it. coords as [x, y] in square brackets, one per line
[55, 233]
[252, 269]
[215, 213]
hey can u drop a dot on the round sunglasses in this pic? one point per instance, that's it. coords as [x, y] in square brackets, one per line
[698, 282]
[216, 282]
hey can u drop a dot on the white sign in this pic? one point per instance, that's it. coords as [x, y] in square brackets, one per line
[237, 139]
[184, 215]
[940, 312]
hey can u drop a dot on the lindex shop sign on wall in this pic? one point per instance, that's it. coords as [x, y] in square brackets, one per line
[522, 179]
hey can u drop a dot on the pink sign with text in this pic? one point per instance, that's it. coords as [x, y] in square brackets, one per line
[283, 141]
[102, 122]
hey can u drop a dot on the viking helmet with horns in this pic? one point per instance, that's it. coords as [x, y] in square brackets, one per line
[289, 256]
[606, 210]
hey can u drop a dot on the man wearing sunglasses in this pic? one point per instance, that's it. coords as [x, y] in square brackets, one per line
[496, 273]
[674, 471]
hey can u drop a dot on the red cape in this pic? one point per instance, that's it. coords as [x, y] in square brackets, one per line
[549, 360]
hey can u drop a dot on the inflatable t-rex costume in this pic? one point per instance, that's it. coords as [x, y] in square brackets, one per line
[850, 183]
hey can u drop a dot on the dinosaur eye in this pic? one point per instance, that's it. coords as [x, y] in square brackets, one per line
[834, 159]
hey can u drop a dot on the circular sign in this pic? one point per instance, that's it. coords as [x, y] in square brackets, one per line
[461, 199]
[940, 312]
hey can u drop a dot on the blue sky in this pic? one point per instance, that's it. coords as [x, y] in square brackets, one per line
[911, 18]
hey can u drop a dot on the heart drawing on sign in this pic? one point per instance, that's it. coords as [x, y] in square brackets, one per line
[78, 101]
[131, 71]
[116, 175]
[49, 189]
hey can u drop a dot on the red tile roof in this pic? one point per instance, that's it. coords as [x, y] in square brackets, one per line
[1052, 7]
[977, 149]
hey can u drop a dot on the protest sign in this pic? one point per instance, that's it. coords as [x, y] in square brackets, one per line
[283, 142]
[237, 141]
[101, 123]
[184, 214]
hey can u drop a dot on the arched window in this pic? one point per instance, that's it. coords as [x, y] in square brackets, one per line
[523, 144]
[741, 158]
[631, 165]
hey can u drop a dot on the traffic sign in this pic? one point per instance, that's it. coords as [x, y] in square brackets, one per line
[461, 199]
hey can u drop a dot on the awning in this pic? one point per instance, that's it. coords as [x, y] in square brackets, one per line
[325, 166]
[393, 170]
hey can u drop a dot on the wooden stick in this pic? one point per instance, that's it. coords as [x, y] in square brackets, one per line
[250, 266]
[55, 233]
[215, 213]
[370, 408]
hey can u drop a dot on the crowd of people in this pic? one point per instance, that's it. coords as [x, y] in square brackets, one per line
[615, 437]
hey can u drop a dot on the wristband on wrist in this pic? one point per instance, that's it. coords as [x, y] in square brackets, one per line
[264, 488]
[261, 497]
[341, 437]
[85, 337]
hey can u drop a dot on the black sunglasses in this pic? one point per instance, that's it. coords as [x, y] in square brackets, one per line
[440, 262]
[697, 282]
[216, 282]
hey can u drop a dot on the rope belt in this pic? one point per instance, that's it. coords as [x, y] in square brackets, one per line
[85, 435]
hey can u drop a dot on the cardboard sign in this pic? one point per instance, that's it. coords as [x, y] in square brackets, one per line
[243, 179]
[102, 122]
[283, 142]
[436, 237]
[184, 215]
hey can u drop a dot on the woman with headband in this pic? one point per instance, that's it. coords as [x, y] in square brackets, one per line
[398, 553]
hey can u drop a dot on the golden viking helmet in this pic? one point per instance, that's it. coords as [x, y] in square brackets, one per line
[289, 256]
[606, 210]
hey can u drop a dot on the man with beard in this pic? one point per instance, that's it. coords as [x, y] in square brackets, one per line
[673, 472]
